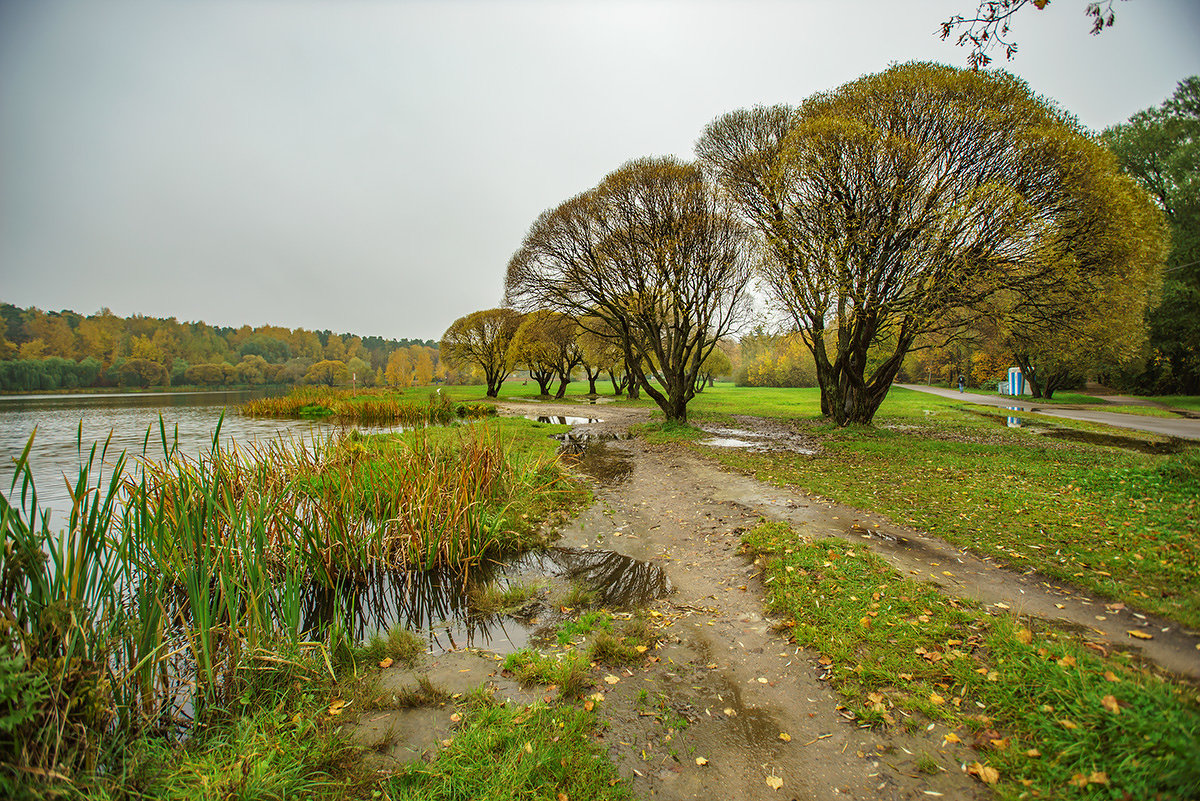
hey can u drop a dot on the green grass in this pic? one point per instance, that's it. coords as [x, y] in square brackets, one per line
[505, 753]
[1117, 522]
[568, 671]
[494, 599]
[1039, 703]
[1178, 401]
[1143, 411]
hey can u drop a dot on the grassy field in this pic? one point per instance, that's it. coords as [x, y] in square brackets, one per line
[1109, 519]
[1048, 715]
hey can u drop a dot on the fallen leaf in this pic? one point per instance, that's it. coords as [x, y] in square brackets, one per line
[1068, 724]
[611, 679]
[589, 705]
[774, 782]
[455, 718]
[1033, 752]
[1098, 777]
[985, 773]
[1067, 661]
[1000, 744]
[936, 699]
[1110, 703]
[950, 737]
[783, 735]
[386, 662]
[701, 761]
[641, 649]
[1024, 636]
[529, 748]
[446, 743]
[336, 707]
[1110, 676]
[1141, 635]
[1079, 780]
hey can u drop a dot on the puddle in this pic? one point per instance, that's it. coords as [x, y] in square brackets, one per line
[755, 440]
[592, 456]
[563, 420]
[729, 442]
[434, 603]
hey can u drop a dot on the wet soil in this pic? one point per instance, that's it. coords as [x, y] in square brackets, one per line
[726, 707]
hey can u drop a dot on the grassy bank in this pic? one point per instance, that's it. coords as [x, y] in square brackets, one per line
[1108, 519]
[1053, 716]
[178, 588]
[367, 407]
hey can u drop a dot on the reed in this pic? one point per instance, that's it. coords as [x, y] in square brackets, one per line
[365, 407]
[178, 577]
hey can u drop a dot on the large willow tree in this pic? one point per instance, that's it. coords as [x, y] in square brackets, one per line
[652, 258]
[902, 197]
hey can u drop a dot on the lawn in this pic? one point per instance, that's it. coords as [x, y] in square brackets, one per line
[1109, 519]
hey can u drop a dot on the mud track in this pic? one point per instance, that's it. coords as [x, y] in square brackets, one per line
[724, 686]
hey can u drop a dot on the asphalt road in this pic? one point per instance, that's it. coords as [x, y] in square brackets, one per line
[1181, 427]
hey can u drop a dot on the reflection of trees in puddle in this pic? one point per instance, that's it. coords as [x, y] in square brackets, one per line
[592, 455]
[618, 580]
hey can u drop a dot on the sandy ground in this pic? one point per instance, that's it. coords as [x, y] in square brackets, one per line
[726, 689]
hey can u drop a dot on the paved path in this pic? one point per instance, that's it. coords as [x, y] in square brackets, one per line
[1181, 427]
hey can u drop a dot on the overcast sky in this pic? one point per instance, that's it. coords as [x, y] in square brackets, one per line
[371, 166]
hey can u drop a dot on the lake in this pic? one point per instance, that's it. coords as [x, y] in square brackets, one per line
[128, 417]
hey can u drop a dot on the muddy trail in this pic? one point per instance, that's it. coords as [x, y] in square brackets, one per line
[726, 707]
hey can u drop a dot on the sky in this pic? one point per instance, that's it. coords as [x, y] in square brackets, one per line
[370, 166]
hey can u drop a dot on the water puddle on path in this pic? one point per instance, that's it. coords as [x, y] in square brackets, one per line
[756, 440]
[437, 604]
[562, 420]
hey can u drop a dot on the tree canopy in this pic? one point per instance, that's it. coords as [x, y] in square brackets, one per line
[482, 339]
[654, 254]
[900, 197]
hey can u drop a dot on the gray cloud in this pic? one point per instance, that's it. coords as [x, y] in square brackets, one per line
[370, 166]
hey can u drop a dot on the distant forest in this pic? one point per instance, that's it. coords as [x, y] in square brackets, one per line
[42, 351]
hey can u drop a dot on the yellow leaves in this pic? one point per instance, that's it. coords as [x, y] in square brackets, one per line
[1024, 636]
[985, 773]
[562, 797]
[1110, 676]
[1095, 777]
[336, 707]
[1033, 752]
[447, 743]
[641, 649]
[774, 782]
[1066, 661]
[783, 735]
[950, 737]
[589, 705]
[864, 621]
[528, 747]
[455, 718]
[386, 662]
[1067, 724]
[701, 761]
[611, 679]
[999, 744]
[1141, 635]
[936, 699]
[1110, 703]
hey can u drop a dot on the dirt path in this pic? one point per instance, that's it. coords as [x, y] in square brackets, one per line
[723, 687]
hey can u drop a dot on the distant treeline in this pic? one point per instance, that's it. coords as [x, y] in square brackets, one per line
[42, 350]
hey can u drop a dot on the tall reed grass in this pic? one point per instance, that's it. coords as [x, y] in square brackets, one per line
[365, 407]
[178, 578]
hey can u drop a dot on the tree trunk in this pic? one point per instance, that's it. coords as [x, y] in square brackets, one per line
[563, 380]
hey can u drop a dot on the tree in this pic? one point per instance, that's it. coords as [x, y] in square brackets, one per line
[1160, 149]
[991, 26]
[423, 366]
[898, 198]
[399, 369]
[602, 351]
[142, 373]
[1093, 314]
[652, 252]
[329, 372]
[482, 339]
[547, 343]
[717, 363]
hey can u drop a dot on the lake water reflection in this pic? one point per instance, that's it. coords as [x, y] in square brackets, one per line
[192, 416]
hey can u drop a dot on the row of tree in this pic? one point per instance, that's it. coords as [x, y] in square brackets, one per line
[64, 350]
[902, 210]
[549, 346]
